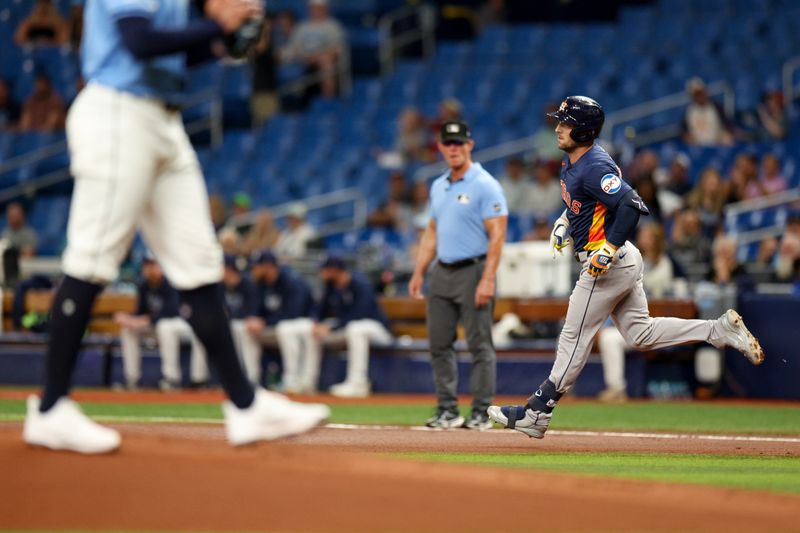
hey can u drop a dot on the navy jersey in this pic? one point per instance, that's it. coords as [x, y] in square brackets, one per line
[157, 302]
[592, 189]
[289, 297]
[239, 300]
[357, 301]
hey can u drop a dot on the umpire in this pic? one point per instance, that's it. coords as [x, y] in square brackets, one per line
[466, 232]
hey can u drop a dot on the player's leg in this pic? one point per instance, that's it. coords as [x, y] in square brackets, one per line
[478, 329]
[442, 322]
[291, 336]
[359, 334]
[112, 158]
[612, 354]
[129, 339]
[249, 349]
[168, 334]
[177, 224]
[198, 361]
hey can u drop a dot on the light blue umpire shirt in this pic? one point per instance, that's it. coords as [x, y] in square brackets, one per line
[106, 60]
[460, 208]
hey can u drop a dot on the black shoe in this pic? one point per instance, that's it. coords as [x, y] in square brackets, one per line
[445, 419]
[479, 420]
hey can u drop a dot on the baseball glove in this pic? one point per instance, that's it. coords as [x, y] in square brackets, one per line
[239, 43]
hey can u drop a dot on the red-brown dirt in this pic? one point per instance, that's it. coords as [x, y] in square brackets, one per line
[185, 477]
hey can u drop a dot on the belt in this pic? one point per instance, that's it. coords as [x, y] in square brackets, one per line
[583, 255]
[463, 263]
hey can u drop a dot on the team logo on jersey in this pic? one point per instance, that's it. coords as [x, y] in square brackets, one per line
[611, 184]
[463, 198]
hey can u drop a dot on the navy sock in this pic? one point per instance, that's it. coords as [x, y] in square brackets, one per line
[203, 309]
[546, 398]
[69, 316]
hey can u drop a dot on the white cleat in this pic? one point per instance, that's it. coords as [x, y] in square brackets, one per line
[736, 335]
[65, 427]
[271, 416]
[348, 389]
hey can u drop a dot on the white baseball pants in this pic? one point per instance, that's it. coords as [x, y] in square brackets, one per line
[169, 333]
[135, 167]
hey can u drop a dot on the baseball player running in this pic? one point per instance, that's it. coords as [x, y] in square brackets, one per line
[602, 213]
[134, 167]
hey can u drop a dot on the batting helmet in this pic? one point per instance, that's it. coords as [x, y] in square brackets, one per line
[584, 115]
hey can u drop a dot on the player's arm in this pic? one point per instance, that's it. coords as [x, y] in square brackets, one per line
[145, 41]
[496, 229]
[628, 211]
[425, 254]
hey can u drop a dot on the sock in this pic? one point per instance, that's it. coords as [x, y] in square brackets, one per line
[546, 398]
[203, 309]
[69, 317]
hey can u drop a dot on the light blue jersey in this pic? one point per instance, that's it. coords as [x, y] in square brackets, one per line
[106, 60]
[460, 209]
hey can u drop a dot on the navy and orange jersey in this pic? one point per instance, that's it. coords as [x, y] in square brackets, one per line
[591, 188]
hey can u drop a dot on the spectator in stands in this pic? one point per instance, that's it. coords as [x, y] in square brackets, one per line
[418, 211]
[772, 119]
[281, 313]
[544, 198]
[648, 191]
[9, 110]
[704, 123]
[662, 277]
[743, 178]
[349, 311]
[770, 180]
[789, 250]
[219, 212]
[264, 101]
[319, 43]
[75, 23]
[157, 311]
[493, 12]
[690, 247]
[294, 240]
[389, 213]
[262, 234]
[413, 142]
[18, 235]
[725, 267]
[44, 109]
[240, 300]
[540, 231]
[545, 145]
[44, 26]
[518, 188]
[229, 239]
[241, 205]
[450, 109]
[646, 164]
[673, 185]
[707, 199]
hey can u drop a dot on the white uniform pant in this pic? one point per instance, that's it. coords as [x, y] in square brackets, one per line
[612, 353]
[134, 167]
[169, 333]
[249, 349]
[357, 336]
[301, 354]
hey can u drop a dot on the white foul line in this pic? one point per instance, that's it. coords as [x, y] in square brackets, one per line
[612, 434]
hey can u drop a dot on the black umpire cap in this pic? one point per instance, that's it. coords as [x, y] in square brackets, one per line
[455, 130]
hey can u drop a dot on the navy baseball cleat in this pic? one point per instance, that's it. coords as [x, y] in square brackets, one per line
[522, 418]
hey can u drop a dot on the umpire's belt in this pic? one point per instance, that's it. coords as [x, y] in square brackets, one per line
[463, 263]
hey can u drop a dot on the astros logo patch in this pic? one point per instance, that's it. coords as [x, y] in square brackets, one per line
[611, 184]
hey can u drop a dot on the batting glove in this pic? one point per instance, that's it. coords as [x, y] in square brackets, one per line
[601, 260]
[558, 237]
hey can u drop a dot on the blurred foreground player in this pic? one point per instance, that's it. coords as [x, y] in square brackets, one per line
[601, 215]
[134, 167]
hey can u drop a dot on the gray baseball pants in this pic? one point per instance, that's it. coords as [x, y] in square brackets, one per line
[451, 300]
[618, 293]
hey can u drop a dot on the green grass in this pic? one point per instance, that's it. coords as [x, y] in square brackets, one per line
[683, 417]
[779, 474]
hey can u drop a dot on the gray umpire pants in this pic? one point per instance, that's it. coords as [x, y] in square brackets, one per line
[451, 300]
[619, 293]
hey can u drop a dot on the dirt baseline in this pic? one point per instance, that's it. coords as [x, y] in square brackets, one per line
[179, 477]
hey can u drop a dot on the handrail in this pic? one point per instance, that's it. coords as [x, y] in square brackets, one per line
[734, 210]
[486, 154]
[389, 44]
[789, 91]
[344, 72]
[665, 103]
[37, 154]
[311, 203]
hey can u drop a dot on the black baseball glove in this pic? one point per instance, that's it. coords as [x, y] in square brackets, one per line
[239, 43]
